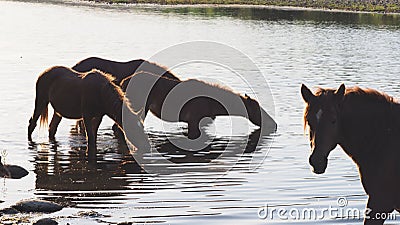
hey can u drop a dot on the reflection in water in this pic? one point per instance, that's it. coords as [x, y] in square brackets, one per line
[274, 14]
[253, 13]
[116, 177]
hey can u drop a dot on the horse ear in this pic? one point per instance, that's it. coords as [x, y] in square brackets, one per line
[340, 91]
[245, 95]
[307, 95]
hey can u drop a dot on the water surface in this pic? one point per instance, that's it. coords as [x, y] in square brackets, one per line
[290, 48]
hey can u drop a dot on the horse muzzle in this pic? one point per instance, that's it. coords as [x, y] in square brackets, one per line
[266, 122]
[318, 164]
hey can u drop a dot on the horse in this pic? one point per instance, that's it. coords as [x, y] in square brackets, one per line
[190, 101]
[119, 70]
[365, 123]
[88, 96]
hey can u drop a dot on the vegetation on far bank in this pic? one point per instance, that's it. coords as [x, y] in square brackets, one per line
[383, 6]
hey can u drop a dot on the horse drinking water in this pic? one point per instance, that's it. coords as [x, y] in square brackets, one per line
[88, 96]
[366, 124]
[191, 101]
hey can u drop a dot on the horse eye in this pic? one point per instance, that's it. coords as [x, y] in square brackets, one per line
[333, 121]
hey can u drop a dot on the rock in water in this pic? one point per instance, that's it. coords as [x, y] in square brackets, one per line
[37, 206]
[8, 211]
[12, 171]
[46, 221]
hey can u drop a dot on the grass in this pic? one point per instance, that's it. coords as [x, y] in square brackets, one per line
[392, 6]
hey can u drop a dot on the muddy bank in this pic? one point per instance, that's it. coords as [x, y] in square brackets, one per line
[389, 6]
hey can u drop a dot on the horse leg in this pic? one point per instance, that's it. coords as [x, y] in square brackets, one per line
[96, 124]
[80, 126]
[55, 121]
[91, 138]
[40, 108]
[193, 129]
[118, 132]
[377, 210]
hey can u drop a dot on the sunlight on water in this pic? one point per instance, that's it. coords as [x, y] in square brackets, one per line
[290, 48]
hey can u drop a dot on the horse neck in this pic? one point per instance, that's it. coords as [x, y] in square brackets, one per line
[232, 104]
[113, 103]
[363, 132]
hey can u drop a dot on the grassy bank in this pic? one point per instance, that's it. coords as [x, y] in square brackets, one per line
[383, 6]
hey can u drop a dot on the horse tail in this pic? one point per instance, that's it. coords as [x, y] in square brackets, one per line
[44, 117]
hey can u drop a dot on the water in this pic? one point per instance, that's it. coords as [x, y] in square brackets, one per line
[289, 47]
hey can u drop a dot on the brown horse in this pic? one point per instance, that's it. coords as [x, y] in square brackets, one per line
[119, 70]
[190, 101]
[88, 96]
[366, 124]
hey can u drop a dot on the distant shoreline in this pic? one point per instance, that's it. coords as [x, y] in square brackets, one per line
[357, 6]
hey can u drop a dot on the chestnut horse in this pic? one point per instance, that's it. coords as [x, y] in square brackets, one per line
[88, 96]
[366, 124]
[119, 70]
[190, 101]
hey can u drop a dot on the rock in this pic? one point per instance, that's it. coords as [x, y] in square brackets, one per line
[46, 221]
[13, 171]
[8, 211]
[37, 206]
[125, 223]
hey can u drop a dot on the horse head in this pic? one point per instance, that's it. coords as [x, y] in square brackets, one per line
[322, 117]
[257, 115]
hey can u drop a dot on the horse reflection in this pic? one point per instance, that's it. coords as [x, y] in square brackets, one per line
[218, 156]
[60, 169]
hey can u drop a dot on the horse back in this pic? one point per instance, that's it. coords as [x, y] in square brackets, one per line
[54, 74]
[119, 70]
[122, 70]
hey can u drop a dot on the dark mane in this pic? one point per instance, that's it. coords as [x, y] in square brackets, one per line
[355, 94]
[167, 72]
[214, 86]
[370, 95]
[107, 76]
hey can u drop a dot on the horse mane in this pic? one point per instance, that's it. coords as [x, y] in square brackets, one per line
[370, 95]
[107, 76]
[355, 94]
[218, 86]
[167, 74]
[111, 90]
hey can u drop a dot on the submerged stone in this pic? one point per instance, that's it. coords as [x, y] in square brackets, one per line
[37, 206]
[12, 171]
[8, 211]
[45, 221]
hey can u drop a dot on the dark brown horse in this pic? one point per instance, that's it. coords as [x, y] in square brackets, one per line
[366, 124]
[119, 70]
[190, 101]
[88, 96]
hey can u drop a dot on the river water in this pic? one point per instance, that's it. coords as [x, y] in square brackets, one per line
[289, 47]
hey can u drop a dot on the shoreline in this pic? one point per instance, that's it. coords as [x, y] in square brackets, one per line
[357, 7]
